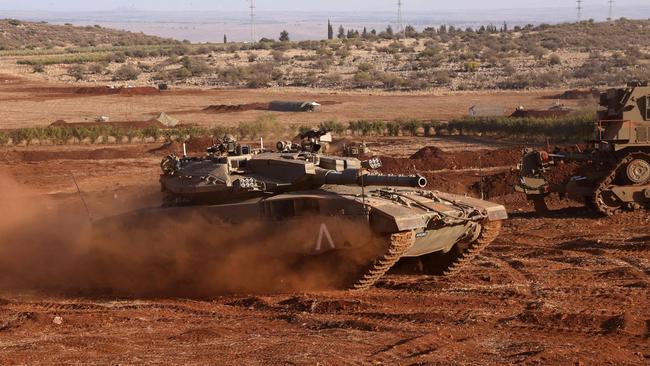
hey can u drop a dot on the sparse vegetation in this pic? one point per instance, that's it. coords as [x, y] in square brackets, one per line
[126, 72]
[488, 57]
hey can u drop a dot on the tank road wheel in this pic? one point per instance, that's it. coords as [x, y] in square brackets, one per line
[638, 171]
[632, 169]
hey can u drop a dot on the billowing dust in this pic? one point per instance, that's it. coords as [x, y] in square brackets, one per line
[162, 253]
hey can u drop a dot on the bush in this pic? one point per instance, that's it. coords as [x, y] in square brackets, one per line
[366, 67]
[261, 127]
[336, 127]
[570, 128]
[97, 68]
[259, 80]
[472, 66]
[196, 66]
[278, 56]
[554, 60]
[4, 138]
[77, 71]
[38, 68]
[363, 79]
[126, 72]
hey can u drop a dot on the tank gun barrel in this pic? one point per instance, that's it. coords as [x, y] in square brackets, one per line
[355, 177]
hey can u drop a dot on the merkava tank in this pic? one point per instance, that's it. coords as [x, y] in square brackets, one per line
[309, 206]
[614, 171]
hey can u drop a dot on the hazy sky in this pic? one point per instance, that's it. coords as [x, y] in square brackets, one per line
[272, 5]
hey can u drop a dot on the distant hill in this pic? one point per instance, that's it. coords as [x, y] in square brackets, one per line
[16, 34]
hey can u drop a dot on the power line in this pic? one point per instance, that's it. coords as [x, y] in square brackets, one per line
[252, 7]
[579, 9]
[400, 19]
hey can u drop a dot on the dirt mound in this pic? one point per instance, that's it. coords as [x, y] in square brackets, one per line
[574, 94]
[168, 148]
[432, 158]
[231, 108]
[102, 90]
[199, 144]
[196, 145]
[495, 185]
[537, 113]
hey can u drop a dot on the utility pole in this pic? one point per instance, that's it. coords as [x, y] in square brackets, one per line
[253, 38]
[400, 19]
[579, 10]
[611, 10]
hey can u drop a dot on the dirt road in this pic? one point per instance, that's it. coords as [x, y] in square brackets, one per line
[27, 103]
[568, 289]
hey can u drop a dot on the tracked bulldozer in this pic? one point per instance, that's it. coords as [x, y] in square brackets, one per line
[614, 169]
[315, 206]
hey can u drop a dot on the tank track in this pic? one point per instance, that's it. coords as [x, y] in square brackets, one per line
[399, 244]
[489, 232]
[606, 183]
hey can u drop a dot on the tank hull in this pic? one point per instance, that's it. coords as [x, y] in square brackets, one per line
[344, 231]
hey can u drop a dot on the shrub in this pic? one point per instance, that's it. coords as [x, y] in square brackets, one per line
[442, 77]
[393, 128]
[278, 56]
[97, 68]
[196, 66]
[38, 68]
[363, 79]
[259, 80]
[4, 138]
[76, 71]
[261, 127]
[336, 127]
[126, 72]
[391, 81]
[366, 67]
[554, 59]
[153, 132]
[471, 66]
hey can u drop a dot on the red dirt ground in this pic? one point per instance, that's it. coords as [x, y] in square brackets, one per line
[565, 289]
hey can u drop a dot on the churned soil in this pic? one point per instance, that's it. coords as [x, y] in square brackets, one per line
[566, 288]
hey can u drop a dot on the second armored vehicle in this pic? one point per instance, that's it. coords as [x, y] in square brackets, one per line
[614, 171]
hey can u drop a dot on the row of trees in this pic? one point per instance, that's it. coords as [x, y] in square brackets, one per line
[411, 32]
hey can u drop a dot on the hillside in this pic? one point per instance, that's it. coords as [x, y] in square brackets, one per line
[572, 55]
[16, 34]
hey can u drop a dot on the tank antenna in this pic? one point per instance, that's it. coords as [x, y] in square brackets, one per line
[83, 200]
[363, 197]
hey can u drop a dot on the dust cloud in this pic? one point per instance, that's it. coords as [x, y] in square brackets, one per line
[160, 253]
